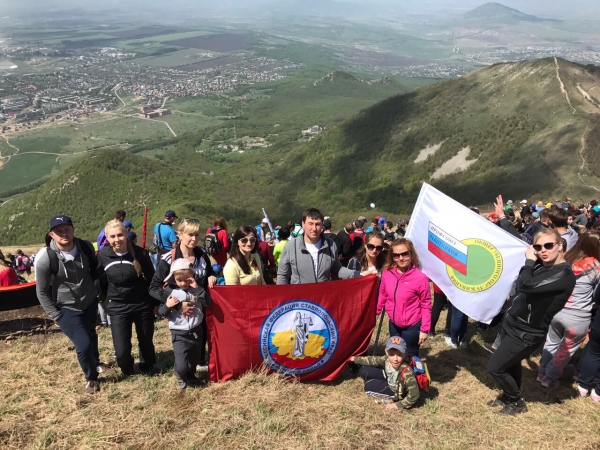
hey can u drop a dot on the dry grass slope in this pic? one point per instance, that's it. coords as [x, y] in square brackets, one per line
[43, 406]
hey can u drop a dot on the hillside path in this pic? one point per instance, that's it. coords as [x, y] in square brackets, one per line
[9, 156]
[564, 92]
[160, 121]
[584, 162]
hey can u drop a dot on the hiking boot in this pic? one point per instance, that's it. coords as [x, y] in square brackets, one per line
[489, 347]
[502, 400]
[514, 408]
[92, 387]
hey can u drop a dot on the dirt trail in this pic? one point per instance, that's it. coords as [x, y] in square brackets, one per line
[9, 156]
[584, 162]
[587, 96]
[564, 92]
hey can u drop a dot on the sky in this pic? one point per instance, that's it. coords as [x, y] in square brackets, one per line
[546, 8]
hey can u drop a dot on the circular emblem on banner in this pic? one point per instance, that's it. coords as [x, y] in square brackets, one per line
[298, 337]
[483, 267]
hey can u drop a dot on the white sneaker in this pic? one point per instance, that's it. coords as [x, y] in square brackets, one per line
[583, 392]
[201, 368]
[449, 342]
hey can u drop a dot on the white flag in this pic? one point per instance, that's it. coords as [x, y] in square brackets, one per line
[472, 260]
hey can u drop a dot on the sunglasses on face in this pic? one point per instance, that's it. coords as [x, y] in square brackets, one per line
[244, 241]
[372, 247]
[401, 255]
[547, 246]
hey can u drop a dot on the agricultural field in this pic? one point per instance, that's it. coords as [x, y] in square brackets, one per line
[211, 63]
[25, 169]
[217, 42]
[175, 59]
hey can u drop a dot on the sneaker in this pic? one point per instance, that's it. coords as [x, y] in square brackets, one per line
[595, 396]
[200, 368]
[92, 387]
[514, 408]
[489, 347]
[104, 368]
[501, 400]
[583, 392]
[540, 377]
[180, 384]
[548, 383]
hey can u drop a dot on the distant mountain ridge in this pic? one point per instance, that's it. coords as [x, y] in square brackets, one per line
[525, 130]
[496, 13]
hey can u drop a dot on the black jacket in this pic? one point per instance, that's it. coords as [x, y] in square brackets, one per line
[505, 224]
[344, 245]
[202, 270]
[119, 280]
[541, 293]
[526, 210]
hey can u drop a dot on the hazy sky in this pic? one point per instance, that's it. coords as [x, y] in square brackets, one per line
[556, 8]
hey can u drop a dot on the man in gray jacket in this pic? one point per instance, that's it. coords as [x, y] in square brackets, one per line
[312, 258]
[65, 288]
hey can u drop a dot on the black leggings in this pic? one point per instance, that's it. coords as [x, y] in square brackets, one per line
[439, 301]
[505, 363]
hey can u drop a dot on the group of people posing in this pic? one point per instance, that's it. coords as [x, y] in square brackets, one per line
[554, 285]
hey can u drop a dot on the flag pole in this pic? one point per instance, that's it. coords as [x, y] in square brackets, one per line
[144, 227]
[374, 348]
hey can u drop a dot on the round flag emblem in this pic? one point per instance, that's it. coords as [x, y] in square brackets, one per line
[298, 337]
[483, 267]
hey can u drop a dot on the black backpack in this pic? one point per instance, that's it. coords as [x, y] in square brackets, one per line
[527, 236]
[87, 250]
[212, 245]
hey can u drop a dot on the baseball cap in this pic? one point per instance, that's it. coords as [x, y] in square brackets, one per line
[131, 236]
[178, 264]
[524, 201]
[382, 220]
[128, 224]
[396, 342]
[377, 217]
[60, 220]
[493, 215]
[510, 202]
[548, 205]
[535, 214]
[170, 213]
[265, 220]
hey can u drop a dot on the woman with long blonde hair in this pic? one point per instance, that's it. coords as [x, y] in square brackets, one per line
[543, 287]
[127, 271]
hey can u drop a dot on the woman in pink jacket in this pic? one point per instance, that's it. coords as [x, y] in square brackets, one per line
[406, 296]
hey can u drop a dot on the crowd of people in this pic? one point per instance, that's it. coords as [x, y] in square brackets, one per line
[551, 303]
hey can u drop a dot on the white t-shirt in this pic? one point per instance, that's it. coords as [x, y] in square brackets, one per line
[313, 249]
[69, 256]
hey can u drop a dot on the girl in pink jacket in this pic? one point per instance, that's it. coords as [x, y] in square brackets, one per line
[406, 296]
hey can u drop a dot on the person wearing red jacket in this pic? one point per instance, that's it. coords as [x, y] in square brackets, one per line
[406, 296]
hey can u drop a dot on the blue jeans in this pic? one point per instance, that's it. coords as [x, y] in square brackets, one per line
[80, 327]
[410, 336]
[458, 326]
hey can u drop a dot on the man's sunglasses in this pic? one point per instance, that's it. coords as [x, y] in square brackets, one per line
[401, 255]
[547, 246]
[372, 247]
[252, 240]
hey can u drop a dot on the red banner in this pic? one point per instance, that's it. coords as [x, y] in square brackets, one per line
[305, 330]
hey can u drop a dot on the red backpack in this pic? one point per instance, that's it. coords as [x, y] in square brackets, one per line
[421, 373]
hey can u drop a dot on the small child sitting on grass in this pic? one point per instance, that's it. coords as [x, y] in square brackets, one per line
[186, 330]
[390, 376]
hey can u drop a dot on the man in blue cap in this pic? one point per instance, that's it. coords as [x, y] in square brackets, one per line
[164, 235]
[64, 273]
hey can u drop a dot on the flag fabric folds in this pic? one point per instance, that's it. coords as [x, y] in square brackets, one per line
[472, 260]
[307, 331]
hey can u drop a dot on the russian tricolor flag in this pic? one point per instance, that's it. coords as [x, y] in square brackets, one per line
[450, 250]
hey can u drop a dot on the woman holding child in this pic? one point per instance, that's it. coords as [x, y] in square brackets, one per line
[405, 295]
[188, 234]
[127, 271]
